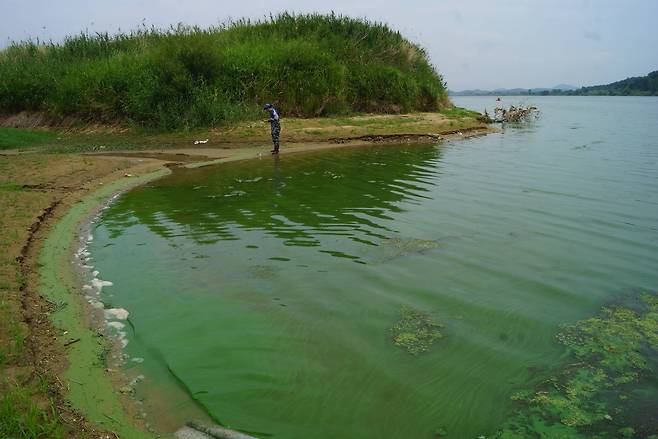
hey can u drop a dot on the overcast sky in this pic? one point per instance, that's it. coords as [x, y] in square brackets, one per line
[474, 44]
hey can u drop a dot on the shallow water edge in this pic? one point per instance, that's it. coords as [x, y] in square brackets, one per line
[63, 277]
[91, 389]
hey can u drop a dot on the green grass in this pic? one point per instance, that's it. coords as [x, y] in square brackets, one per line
[21, 418]
[367, 121]
[307, 65]
[459, 112]
[19, 138]
[10, 186]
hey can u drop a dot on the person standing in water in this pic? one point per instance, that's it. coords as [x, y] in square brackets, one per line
[275, 125]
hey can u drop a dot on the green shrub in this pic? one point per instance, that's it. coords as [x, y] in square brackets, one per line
[184, 77]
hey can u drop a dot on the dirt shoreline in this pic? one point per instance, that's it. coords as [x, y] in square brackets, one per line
[73, 187]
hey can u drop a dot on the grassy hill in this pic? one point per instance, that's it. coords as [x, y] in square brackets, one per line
[636, 86]
[185, 77]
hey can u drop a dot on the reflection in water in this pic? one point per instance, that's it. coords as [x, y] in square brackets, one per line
[293, 198]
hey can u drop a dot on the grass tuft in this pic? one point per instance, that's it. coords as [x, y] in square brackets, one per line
[21, 418]
[19, 138]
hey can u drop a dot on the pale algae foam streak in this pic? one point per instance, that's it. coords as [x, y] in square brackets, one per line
[268, 287]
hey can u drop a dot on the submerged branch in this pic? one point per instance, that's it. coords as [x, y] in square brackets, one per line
[515, 114]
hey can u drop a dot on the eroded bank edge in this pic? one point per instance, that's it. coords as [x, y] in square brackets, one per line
[90, 389]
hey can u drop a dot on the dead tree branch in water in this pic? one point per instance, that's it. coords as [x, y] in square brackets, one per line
[515, 114]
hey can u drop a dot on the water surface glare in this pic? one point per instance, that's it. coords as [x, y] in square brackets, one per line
[267, 289]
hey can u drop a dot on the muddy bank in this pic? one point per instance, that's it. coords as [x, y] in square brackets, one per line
[90, 391]
[36, 191]
[194, 156]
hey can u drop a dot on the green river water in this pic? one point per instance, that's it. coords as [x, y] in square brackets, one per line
[263, 293]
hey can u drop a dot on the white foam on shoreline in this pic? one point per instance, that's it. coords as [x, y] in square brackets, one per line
[120, 333]
[116, 325]
[97, 304]
[116, 313]
[99, 284]
[113, 319]
[111, 316]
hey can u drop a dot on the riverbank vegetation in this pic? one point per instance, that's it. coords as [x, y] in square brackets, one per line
[186, 77]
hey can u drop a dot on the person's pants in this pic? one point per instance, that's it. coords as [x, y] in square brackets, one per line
[276, 131]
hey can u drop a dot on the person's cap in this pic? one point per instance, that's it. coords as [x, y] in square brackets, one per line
[267, 106]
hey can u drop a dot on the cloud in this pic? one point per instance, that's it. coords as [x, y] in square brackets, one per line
[475, 44]
[593, 36]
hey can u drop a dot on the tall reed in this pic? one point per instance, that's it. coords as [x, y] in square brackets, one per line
[183, 77]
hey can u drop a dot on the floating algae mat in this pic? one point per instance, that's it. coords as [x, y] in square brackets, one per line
[416, 331]
[401, 291]
[397, 247]
[608, 389]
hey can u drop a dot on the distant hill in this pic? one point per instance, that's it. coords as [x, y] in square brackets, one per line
[564, 87]
[513, 91]
[636, 86]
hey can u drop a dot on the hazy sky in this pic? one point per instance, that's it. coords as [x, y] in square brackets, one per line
[474, 44]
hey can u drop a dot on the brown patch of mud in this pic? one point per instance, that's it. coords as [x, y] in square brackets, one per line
[417, 138]
[37, 119]
[25, 119]
[177, 157]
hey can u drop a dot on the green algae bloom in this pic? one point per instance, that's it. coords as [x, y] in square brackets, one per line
[416, 331]
[608, 389]
[397, 247]
[262, 271]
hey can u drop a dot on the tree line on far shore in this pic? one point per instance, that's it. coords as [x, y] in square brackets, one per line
[636, 86]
